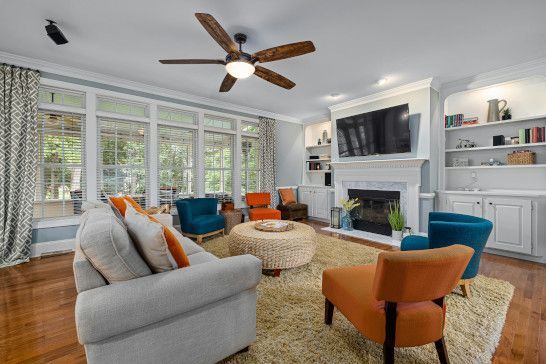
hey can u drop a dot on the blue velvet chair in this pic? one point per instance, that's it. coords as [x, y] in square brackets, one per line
[446, 228]
[199, 217]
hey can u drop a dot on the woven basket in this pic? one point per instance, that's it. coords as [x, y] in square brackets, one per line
[521, 158]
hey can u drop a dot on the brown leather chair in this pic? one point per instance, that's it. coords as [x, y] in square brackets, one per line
[289, 207]
[400, 301]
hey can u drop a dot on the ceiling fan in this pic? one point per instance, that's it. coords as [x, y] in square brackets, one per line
[240, 64]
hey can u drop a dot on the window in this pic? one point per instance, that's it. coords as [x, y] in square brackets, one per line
[250, 165]
[122, 159]
[123, 107]
[167, 114]
[176, 163]
[60, 175]
[218, 165]
[250, 127]
[219, 122]
[61, 97]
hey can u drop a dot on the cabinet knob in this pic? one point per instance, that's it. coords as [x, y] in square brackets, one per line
[478, 202]
[491, 203]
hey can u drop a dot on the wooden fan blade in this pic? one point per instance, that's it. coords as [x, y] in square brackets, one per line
[284, 51]
[274, 77]
[217, 32]
[192, 61]
[227, 83]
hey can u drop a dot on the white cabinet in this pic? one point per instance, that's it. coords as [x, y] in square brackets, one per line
[519, 224]
[512, 224]
[467, 205]
[317, 199]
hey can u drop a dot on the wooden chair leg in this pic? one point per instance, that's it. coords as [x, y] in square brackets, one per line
[328, 311]
[465, 287]
[388, 354]
[442, 351]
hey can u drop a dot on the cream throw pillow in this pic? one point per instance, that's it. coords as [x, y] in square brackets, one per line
[149, 239]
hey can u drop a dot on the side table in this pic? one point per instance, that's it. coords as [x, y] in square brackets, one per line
[231, 218]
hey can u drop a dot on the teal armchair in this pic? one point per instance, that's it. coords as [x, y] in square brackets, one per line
[446, 228]
[199, 217]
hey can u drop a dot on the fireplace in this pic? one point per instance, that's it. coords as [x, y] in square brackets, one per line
[372, 214]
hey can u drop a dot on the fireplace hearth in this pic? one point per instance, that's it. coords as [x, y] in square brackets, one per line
[372, 214]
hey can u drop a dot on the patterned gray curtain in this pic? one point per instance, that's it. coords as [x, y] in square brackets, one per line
[18, 150]
[268, 149]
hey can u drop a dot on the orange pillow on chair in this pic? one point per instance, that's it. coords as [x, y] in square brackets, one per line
[287, 196]
[118, 202]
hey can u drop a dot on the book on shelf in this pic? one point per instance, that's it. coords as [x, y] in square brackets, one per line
[456, 120]
[532, 135]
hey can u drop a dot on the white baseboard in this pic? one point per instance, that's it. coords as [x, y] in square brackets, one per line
[530, 258]
[51, 247]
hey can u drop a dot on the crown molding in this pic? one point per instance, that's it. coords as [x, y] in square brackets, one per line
[414, 86]
[67, 71]
[536, 67]
[319, 118]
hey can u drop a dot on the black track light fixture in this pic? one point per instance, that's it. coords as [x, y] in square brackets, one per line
[55, 33]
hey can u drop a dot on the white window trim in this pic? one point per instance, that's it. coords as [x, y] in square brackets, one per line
[91, 114]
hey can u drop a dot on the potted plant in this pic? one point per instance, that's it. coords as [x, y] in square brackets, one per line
[396, 220]
[348, 207]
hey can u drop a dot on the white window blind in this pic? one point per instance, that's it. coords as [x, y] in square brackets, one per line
[123, 159]
[250, 165]
[123, 107]
[176, 167]
[219, 122]
[218, 165]
[168, 114]
[60, 175]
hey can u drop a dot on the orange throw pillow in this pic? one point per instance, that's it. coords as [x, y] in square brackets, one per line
[133, 203]
[287, 196]
[119, 204]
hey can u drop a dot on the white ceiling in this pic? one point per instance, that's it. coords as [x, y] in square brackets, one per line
[357, 43]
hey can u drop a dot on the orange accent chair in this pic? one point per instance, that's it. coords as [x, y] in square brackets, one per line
[258, 207]
[400, 301]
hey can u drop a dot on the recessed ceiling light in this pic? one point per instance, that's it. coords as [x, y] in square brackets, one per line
[335, 95]
[382, 81]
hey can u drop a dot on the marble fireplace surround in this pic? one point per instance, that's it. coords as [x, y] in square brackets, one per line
[403, 175]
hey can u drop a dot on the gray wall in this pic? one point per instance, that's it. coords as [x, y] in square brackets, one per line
[290, 153]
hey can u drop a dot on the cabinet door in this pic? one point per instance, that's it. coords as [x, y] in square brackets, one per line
[306, 197]
[512, 225]
[467, 205]
[321, 203]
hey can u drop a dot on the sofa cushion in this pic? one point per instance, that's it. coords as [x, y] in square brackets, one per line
[108, 247]
[149, 239]
[202, 257]
[206, 223]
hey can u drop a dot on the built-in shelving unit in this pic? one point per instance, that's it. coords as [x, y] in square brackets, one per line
[313, 133]
[527, 100]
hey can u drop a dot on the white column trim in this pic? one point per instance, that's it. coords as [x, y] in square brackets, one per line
[153, 164]
[91, 146]
[237, 151]
[200, 156]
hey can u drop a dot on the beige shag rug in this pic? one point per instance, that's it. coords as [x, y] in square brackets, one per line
[290, 314]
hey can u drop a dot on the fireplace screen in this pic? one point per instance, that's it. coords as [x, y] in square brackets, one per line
[372, 214]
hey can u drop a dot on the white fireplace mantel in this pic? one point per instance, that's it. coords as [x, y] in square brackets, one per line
[389, 172]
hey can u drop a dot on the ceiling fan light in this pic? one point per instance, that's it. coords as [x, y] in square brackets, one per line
[240, 69]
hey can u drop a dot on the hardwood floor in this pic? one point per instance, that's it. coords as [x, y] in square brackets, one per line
[37, 309]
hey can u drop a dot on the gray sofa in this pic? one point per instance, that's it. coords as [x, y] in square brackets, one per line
[199, 314]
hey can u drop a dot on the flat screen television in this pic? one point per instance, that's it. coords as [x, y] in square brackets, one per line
[384, 131]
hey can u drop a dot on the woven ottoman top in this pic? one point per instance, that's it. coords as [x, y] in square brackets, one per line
[277, 250]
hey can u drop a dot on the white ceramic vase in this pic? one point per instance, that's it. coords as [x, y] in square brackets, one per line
[397, 235]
